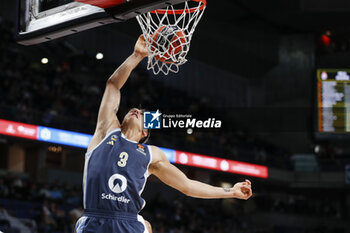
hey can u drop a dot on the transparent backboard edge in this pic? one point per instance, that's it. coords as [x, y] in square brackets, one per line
[59, 15]
[38, 14]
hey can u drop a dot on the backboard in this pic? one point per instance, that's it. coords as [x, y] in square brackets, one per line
[44, 20]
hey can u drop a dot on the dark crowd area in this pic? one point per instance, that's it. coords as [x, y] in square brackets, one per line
[33, 206]
[66, 93]
[42, 207]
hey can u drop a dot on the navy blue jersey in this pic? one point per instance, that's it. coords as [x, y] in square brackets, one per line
[115, 174]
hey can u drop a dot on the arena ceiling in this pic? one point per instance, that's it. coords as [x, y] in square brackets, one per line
[242, 36]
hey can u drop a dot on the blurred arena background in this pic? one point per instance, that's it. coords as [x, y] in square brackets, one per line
[253, 64]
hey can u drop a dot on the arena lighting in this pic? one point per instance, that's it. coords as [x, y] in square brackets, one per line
[55, 149]
[317, 149]
[99, 56]
[326, 40]
[69, 138]
[44, 60]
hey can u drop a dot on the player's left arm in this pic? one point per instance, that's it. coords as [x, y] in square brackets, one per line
[107, 119]
[172, 176]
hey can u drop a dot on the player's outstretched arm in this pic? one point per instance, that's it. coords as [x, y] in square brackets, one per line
[107, 119]
[175, 178]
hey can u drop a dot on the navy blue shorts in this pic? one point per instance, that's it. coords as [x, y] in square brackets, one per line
[105, 221]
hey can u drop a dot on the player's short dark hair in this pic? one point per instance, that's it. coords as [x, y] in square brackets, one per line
[145, 138]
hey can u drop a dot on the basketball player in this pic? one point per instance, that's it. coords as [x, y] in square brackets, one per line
[117, 165]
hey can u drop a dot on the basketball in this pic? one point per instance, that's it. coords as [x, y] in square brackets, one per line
[168, 42]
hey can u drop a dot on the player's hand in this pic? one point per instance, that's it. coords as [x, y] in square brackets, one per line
[242, 190]
[141, 47]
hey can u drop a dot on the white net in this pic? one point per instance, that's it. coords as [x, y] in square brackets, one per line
[168, 34]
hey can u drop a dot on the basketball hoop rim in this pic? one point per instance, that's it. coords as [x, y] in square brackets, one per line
[179, 12]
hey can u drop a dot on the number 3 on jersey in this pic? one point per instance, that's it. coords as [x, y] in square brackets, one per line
[123, 158]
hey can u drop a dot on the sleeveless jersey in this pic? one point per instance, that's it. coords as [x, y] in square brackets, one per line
[115, 174]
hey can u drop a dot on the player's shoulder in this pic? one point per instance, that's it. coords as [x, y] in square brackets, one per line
[159, 159]
[99, 137]
[157, 153]
[154, 150]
